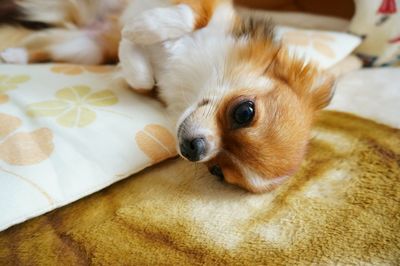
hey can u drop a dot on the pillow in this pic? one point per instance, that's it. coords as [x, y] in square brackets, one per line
[67, 131]
[324, 48]
[378, 23]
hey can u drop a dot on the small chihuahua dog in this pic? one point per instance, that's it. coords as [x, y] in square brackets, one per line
[241, 104]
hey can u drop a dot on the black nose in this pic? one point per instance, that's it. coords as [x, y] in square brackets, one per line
[193, 149]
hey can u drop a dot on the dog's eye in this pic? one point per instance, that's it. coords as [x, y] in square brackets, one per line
[243, 113]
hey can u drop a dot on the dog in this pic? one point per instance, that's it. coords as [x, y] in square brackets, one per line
[242, 105]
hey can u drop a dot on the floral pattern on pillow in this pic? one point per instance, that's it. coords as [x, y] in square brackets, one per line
[156, 142]
[320, 42]
[69, 69]
[324, 48]
[24, 148]
[74, 106]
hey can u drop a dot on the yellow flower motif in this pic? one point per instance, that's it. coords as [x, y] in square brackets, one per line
[11, 82]
[68, 69]
[319, 41]
[73, 106]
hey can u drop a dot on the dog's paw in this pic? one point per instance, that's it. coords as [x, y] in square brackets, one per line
[14, 56]
[160, 24]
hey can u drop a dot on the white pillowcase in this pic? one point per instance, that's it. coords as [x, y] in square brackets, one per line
[324, 48]
[67, 131]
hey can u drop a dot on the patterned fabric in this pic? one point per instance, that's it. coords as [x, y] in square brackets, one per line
[378, 23]
[324, 48]
[67, 131]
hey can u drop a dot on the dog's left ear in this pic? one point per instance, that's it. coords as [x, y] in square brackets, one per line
[305, 79]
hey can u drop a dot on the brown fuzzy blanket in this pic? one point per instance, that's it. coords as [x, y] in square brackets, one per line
[343, 207]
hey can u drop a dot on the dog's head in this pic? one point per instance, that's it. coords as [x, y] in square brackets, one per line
[254, 127]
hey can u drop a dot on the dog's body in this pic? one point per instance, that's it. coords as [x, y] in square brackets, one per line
[241, 105]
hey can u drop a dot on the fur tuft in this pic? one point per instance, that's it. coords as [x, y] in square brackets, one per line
[253, 27]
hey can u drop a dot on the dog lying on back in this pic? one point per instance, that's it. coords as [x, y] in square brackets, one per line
[241, 105]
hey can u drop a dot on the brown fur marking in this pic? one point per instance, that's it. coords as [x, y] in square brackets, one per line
[203, 10]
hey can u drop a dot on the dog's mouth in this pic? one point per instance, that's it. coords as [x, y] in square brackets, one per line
[216, 170]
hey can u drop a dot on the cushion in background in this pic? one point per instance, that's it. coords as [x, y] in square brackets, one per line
[378, 22]
[323, 48]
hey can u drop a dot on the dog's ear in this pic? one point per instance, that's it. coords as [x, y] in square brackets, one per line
[305, 79]
[322, 90]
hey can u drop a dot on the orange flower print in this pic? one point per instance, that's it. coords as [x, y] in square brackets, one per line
[23, 148]
[3, 98]
[318, 41]
[156, 142]
[68, 69]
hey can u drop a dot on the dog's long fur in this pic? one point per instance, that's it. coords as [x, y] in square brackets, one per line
[205, 60]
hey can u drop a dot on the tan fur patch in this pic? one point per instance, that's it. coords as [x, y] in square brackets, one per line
[39, 55]
[310, 83]
[203, 9]
[273, 145]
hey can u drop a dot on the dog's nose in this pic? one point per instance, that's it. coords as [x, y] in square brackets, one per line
[193, 149]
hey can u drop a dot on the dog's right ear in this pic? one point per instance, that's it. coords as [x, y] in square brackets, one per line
[305, 79]
[322, 90]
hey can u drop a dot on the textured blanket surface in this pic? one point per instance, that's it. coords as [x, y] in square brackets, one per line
[342, 207]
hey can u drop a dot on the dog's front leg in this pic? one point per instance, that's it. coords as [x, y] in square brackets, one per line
[171, 22]
[136, 66]
[160, 24]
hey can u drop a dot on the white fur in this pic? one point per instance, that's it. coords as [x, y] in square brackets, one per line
[147, 22]
[253, 179]
[260, 182]
[135, 65]
[14, 56]
[197, 63]
[160, 24]
[81, 50]
[192, 68]
[73, 46]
